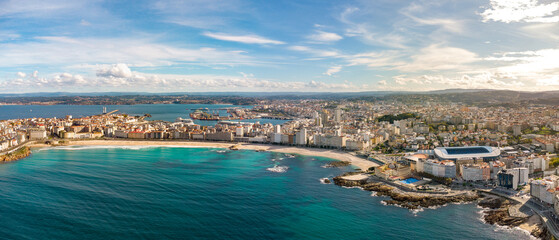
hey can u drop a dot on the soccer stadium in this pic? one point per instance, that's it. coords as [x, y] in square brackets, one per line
[457, 153]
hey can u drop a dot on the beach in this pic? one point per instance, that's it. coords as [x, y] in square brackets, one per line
[358, 162]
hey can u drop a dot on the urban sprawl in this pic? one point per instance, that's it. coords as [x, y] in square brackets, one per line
[511, 150]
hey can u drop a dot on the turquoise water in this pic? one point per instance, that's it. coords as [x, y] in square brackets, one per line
[204, 193]
[165, 112]
[409, 181]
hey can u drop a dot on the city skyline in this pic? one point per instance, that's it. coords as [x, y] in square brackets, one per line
[199, 46]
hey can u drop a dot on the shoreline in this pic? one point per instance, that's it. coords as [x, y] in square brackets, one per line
[499, 211]
[413, 201]
[358, 162]
[496, 210]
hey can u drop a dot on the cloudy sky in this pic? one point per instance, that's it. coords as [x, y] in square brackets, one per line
[303, 45]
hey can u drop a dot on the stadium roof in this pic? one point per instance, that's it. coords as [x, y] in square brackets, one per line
[466, 152]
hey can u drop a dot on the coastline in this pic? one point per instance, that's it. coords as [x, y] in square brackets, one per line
[500, 211]
[358, 162]
[412, 201]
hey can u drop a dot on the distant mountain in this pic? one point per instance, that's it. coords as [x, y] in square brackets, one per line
[240, 94]
[480, 97]
[458, 90]
[484, 97]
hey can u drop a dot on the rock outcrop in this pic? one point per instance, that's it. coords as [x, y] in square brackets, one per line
[408, 200]
[16, 155]
[497, 212]
[338, 164]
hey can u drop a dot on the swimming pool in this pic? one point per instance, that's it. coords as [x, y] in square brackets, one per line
[409, 180]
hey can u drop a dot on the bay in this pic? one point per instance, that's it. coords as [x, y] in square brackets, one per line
[164, 112]
[104, 192]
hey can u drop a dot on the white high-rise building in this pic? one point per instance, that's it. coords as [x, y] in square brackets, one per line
[301, 137]
[240, 132]
[277, 128]
[338, 115]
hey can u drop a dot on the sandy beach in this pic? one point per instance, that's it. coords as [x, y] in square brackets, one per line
[334, 154]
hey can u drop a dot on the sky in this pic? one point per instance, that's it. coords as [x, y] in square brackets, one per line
[266, 46]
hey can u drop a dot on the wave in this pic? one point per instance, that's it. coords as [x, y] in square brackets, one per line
[415, 212]
[74, 148]
[278, 169]
[514, 230]
[323, 180]
[354, 187]
[500, 228]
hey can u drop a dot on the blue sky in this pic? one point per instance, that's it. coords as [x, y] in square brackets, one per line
[304, 45]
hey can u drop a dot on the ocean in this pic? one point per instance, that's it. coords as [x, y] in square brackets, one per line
[207, 193]
[165, 112]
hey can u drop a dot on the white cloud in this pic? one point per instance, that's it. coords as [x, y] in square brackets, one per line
[447, 24]
[247, 75]
[315, 85]
[332, 70]
[436, 57]
[36, 8]
[321, 36]
[521, 11]
[7, 35]
[541, 65]
[248, 39]
[316, 52]
[21, 74]
[119, 70]
[484, 80]
[133, 51]
[382, 82]
[366, 31]
[118, 77]
[387, 59]
[85, 23]
[204, 14]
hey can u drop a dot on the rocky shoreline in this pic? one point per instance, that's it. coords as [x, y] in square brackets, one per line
[16, 155]
[497, 211]
[408, 200]
[338, 164]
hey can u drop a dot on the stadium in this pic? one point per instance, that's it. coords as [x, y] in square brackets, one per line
[473, 152]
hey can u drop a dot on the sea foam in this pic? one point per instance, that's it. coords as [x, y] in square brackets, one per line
[278, 169]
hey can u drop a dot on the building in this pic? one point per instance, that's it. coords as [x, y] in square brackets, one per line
[35, 134]
[301, 137]
[436, 168]
[544, 189]
[475, 172]
[338, 115]
[455, 153]
[220, 136]
[512, 178]
[508, 178]
[516, 130]
[239, 132]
